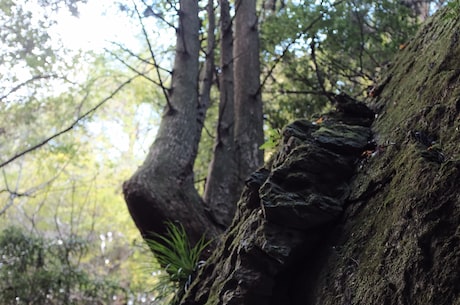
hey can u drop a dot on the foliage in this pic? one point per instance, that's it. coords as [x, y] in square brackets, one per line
[453, 9]
[328, 46]
[273, 139]
[178, 258]
[38, 270]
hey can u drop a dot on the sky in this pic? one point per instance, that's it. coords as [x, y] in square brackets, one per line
[100, 22]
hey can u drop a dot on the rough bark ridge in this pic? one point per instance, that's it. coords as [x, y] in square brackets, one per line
[285, 210]
[309, 230]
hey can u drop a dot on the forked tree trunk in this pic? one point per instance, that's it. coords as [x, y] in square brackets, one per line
[162, 189]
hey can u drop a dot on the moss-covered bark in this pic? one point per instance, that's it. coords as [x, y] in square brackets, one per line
[397, 240]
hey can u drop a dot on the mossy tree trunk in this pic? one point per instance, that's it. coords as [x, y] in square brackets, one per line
[311, 230]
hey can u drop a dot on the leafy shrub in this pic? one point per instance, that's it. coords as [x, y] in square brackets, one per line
[37, 270]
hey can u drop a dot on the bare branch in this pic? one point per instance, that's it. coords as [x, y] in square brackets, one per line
[286, 49]
[13, 194]
[306, 92]
[71, 126]
[143, 74]
[31, 80]
[318, 71]
[149, 12]
[152, 54]
[131, 53]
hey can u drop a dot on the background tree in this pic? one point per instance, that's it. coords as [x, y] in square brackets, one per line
[317, 60]
[222, 178]
[248, 104]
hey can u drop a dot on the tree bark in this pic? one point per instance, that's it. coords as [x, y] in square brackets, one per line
[162, 189]
[207, 74]
[222, 182]
[317, 226]
[248, 104]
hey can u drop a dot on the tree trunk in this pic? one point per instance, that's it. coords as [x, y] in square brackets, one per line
[162, 189]
[222, 182]
[248, 105]
[337, 219]
[207, 74]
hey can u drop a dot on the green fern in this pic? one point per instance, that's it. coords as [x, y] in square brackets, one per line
[179, 259]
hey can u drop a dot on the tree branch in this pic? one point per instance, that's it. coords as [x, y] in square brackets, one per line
[152, 54]
[134, 69]
[71, 126]
[149, 12]
[286, 49]
[318, 72]
[131, 53]
[31, 80]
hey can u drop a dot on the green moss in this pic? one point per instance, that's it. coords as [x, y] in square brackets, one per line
[387, 242]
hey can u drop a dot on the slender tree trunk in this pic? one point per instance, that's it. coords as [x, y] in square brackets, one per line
[162, 189]
[248, 105]
[207, 74]
[222, 181]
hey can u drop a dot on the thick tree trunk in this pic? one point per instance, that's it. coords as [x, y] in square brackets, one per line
[222, 182]
[162, 189]
[317, 227]
[248, 104]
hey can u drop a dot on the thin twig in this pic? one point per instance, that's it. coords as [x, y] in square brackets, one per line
[286, 49]
[318, 72]
[144, 75]
[19, 86]
[131, 53]
[152, 54]
[159, 16]
[71, 126]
